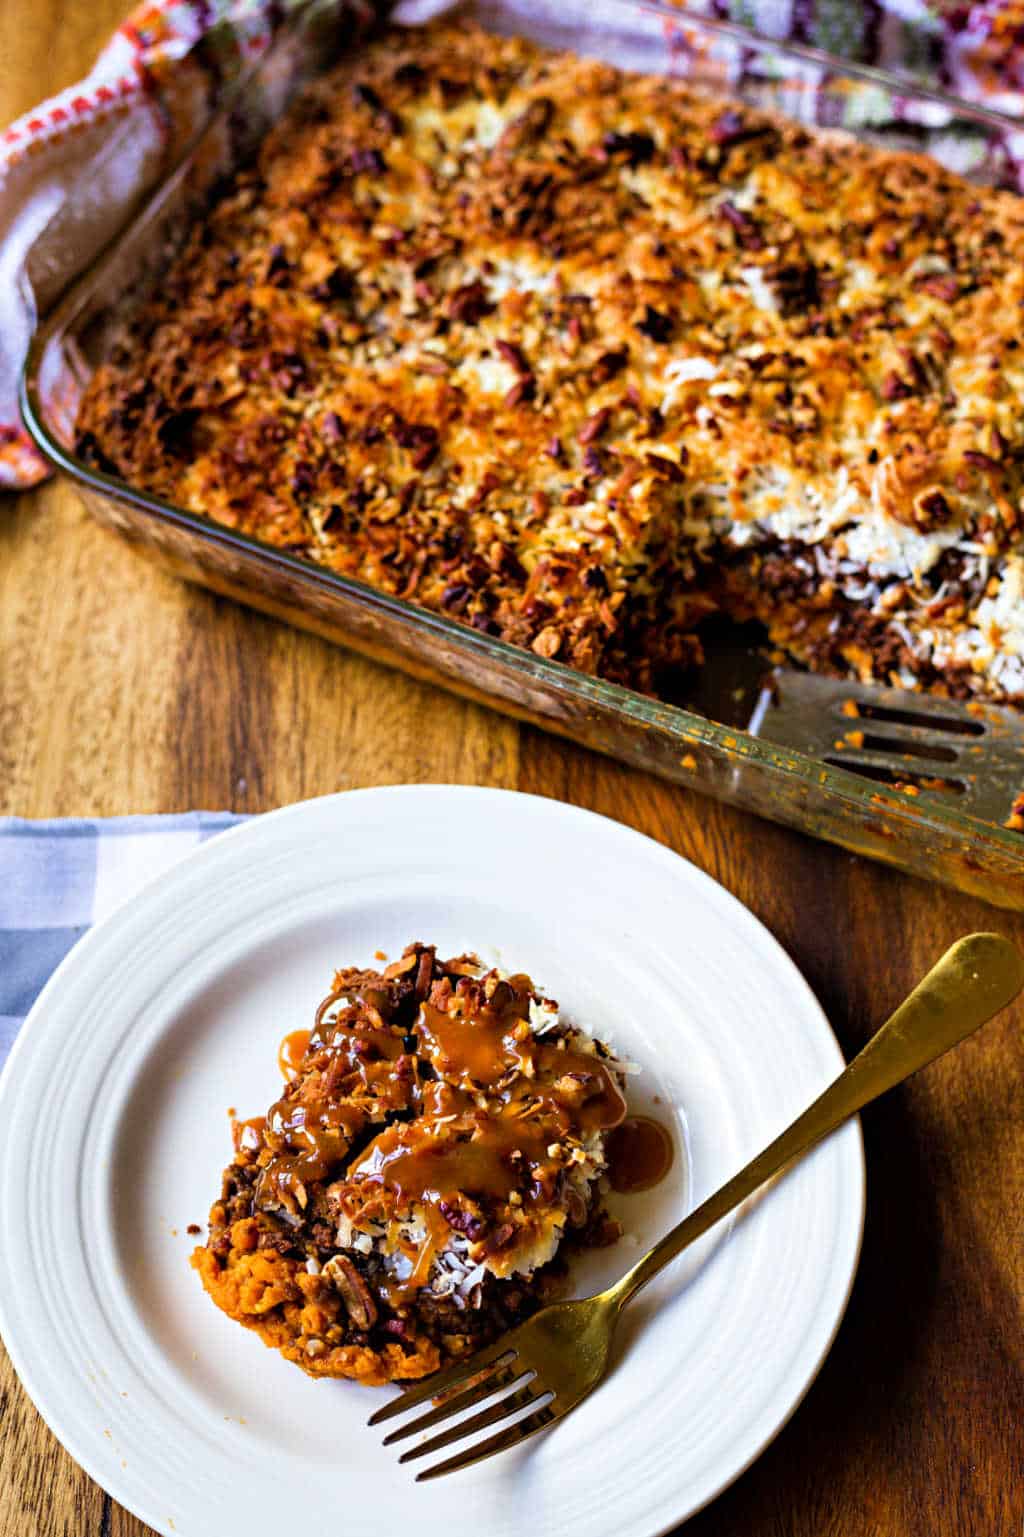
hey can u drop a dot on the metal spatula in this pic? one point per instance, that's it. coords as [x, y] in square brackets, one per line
[973, 753]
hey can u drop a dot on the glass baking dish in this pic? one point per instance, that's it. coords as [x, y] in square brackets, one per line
[925, 834]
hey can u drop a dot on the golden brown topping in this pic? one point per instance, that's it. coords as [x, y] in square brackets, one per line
[572, 356]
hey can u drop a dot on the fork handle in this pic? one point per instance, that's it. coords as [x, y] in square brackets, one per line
[976, 977]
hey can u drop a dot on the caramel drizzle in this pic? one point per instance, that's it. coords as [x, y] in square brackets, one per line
[292, 1051]
[538, 1094]
[640, 1153]
[347, 1071]
[490, 1125]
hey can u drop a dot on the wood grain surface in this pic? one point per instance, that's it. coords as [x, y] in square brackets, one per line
[123, 690]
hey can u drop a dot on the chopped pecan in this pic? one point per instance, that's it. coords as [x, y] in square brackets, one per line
[420, 439]
[504, 560]
[731, 127]
[940, 285]
[472, 1227]
[595, 425]
[456, 596]
[896, 387]
[469, 304]
[991, 443]
[513, 356]
[497, 991]
[748, 231]
[662, 465]
[404, 1071]
[323, 1235]
[404, 964]
[529, 125]
[573, 1087]
[424, 973]
[303, 479]
[485, 624]
[356, 1295]
[525, 388]
[500, 1238]
[609, 364]
[981, 461]
[637, 148]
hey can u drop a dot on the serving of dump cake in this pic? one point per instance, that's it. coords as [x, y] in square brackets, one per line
[580, 358]
[412, 1194]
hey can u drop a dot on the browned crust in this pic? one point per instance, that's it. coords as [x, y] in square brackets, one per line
[425, 342]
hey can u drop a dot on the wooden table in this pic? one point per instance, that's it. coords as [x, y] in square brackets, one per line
[122, 690]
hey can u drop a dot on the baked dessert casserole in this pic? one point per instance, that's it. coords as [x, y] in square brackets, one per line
[414, 1192]
[581, 358]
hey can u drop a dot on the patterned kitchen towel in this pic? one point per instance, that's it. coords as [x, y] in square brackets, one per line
[57, 878]
[73, 168]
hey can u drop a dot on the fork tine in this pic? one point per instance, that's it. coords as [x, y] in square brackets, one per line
[522, 1398]
[464, 1374]
[502, 1442]
[456, 1401]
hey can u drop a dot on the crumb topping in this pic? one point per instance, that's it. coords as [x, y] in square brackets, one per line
[432, 1148]
[577, 357]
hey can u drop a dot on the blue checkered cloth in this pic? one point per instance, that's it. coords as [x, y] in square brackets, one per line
[58, 878]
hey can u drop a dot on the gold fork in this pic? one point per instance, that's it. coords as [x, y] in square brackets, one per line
[549, 1364]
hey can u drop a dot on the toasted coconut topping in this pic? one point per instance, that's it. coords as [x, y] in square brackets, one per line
[577, 357]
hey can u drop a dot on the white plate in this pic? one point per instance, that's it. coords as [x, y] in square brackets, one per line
[114, 1129]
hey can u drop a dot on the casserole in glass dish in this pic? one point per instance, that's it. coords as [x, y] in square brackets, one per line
[923, 832]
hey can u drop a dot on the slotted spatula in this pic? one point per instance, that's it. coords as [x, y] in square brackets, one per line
[972, 754]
